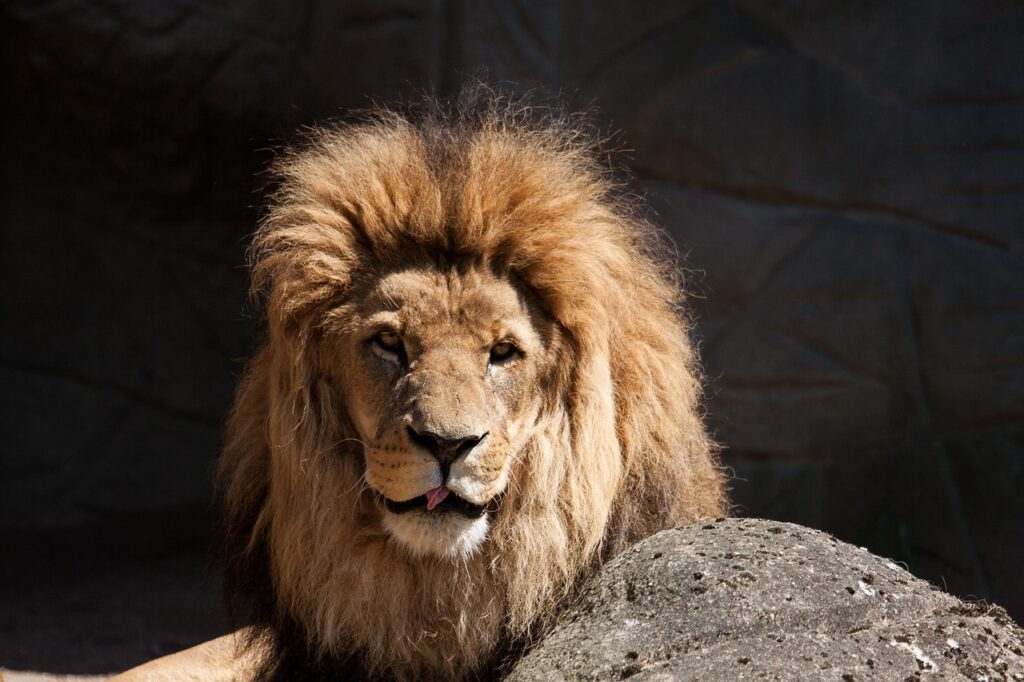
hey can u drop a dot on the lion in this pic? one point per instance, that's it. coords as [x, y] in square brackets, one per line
[476, 387]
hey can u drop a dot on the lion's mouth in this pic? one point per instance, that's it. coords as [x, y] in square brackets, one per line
[448, 503]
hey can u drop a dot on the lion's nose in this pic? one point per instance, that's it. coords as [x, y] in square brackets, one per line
[446, 450]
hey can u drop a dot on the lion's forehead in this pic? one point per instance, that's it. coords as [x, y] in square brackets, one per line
[432, 306]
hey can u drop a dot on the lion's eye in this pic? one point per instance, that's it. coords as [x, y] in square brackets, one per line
[389, 340]
[503, 351]
[388, 344]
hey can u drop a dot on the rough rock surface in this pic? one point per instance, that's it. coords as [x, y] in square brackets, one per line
[757, 599]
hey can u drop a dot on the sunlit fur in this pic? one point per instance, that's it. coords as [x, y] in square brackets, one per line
[457, 538]
[621, 452]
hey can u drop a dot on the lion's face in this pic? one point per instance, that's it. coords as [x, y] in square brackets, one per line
[447, 366]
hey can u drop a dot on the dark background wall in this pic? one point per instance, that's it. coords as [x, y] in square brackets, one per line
[845, 182]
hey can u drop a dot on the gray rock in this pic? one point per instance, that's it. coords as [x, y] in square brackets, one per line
[757, 599]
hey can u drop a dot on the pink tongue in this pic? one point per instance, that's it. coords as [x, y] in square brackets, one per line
[435, 496]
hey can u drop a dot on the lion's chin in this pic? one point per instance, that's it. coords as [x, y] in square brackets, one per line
[448, 535]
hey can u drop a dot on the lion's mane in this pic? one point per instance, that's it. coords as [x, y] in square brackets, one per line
[525, 195]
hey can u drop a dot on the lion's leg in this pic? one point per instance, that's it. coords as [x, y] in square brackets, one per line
[217, 660]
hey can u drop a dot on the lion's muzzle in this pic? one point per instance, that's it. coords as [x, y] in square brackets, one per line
[444, 448]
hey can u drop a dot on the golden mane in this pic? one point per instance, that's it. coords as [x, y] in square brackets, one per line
[523, 195]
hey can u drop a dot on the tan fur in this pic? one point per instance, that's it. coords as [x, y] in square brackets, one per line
[496, 219]
[217, 660]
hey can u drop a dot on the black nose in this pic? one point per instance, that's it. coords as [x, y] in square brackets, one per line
[446, 450]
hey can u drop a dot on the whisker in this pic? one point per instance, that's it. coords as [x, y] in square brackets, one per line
[359, 483]
[350, 440]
